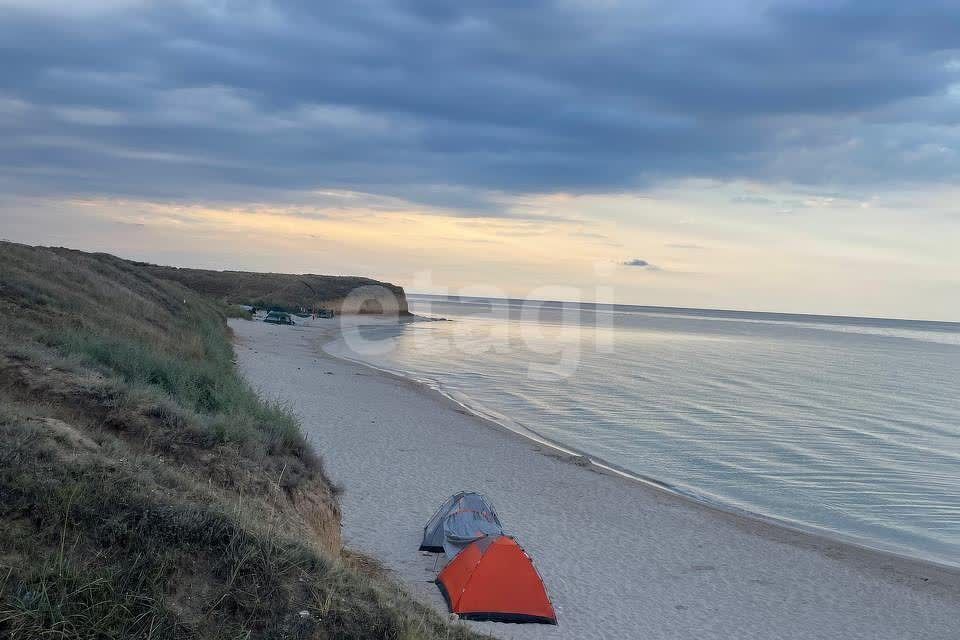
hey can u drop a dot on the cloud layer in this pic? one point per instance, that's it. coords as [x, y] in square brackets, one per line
[453, 105]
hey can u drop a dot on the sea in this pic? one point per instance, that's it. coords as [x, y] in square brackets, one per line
[846, 426]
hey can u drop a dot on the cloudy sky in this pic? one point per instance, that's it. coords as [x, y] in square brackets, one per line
[772, 155]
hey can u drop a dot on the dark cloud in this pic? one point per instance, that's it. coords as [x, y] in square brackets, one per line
[642, 264]
[453, 105]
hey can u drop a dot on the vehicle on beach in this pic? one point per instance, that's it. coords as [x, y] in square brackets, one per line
[279, 317]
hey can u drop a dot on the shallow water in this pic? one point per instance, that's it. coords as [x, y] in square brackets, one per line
[846, 425]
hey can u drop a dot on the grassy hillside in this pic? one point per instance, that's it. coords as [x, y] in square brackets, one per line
[287, 292]
[145, 490]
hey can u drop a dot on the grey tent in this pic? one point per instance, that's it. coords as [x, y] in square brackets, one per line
[461, 519]
[461, 528]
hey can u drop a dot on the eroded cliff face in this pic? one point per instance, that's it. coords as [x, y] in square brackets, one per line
[379, 299]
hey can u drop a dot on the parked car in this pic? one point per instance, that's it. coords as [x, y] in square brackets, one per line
[279, 317]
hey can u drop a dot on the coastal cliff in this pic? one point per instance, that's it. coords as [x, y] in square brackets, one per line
[146, 490]
[290, 292]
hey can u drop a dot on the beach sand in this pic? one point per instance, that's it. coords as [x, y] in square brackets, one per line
[620, 559]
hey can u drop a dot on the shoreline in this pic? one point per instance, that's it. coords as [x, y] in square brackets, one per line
[585, 460]
[756, 552]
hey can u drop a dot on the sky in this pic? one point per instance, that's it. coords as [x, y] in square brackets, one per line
[756, 154]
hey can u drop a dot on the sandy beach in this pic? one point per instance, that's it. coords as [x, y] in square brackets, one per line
[620, 559]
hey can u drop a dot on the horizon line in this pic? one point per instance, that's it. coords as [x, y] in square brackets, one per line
[710, 309]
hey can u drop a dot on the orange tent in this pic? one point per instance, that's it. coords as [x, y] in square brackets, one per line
[494, 579]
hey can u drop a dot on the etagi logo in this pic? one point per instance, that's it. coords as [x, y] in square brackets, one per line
[548, 328]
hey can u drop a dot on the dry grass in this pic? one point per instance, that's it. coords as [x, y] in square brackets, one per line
[145, 490]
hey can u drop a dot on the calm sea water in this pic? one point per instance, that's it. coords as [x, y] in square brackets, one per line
[847, 425]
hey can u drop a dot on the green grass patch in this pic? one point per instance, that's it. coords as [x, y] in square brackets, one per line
[199, 375]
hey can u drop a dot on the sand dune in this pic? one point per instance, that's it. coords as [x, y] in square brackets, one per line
[620, 560]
